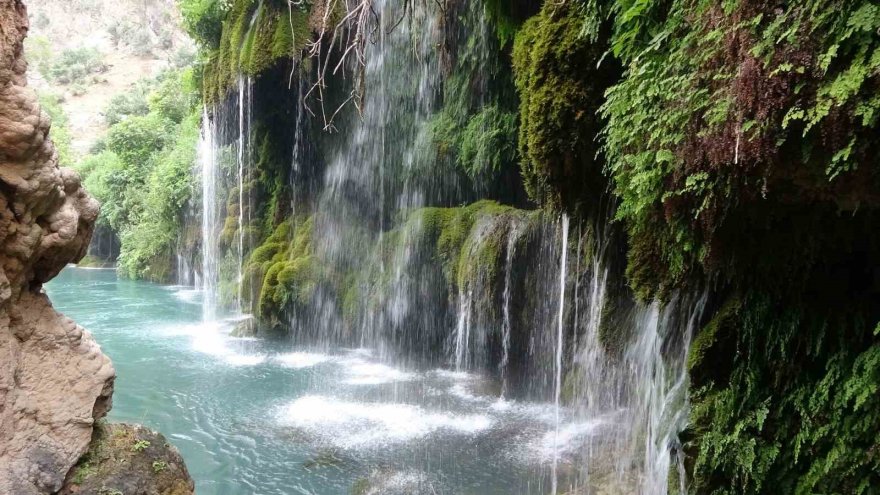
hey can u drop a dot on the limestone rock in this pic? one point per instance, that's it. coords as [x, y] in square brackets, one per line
[54, 380]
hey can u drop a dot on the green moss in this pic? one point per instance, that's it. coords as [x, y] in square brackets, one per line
[287, 42]
[707, 337]
[255, 35]
[285, 270]
[560, 89]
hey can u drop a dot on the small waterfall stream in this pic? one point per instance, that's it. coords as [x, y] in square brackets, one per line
[560, 340]
[210, 219]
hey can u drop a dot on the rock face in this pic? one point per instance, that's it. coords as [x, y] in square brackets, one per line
[54, 380]
[129, 459]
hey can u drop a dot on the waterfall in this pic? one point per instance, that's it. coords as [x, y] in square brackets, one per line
[463, 331]
[241, 148]
[659, 358]
[512, 238]
[560, 336]
[624, 396]
[210, 218]
[366, 184]
[245, 99]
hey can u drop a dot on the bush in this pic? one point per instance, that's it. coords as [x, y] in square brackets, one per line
[137, 138]
[203, 20]
[103, 176]
[148, 239]
[74, 65]
[175, 97]
[128, 104]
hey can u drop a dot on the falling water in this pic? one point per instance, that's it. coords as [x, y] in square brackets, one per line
[241, 148]
[559, 344]
[245, 102]
[210, 219]
[512, 238]
[463, 331]
[659, 359]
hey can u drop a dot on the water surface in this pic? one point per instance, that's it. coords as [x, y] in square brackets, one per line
[262, 417]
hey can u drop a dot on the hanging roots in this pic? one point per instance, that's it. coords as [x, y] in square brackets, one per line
[348, 37]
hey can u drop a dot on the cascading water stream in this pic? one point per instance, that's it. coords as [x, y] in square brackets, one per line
[512, 238]
[663, 372]
[463, 331]
[241, 171]
[560, 337]
[210, 218]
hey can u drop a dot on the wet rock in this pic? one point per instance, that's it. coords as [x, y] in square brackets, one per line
[386, 481]
[130, 460]
[246, 327]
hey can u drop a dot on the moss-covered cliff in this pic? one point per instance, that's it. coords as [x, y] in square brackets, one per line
[739, 142]
[734, 142]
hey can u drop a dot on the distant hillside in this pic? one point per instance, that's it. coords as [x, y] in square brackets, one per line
[82, 53]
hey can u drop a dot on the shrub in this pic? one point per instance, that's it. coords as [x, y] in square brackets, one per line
[203, 20]
[137, 138]
[74, 65]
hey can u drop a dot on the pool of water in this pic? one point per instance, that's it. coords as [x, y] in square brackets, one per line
[262, 417]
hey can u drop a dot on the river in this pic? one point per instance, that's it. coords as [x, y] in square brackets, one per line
[257, 416]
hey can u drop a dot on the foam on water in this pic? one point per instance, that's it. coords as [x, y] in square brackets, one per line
[188, 295]
[299, 360]
[452, 375]
[366, 373]
[567, 439]
[212, 338]
[348, 424]
[461, 391]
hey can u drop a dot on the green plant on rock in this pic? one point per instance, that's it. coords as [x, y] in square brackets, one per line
[787, 399]
[203, 19]
[159, 466]
[251, 37]
[82, 472]
[722, 106]
[285, 270]
[140, 446]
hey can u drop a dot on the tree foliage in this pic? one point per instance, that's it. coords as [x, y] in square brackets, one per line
[143, 175]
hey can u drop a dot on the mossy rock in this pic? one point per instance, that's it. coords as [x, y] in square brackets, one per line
[130, 460]
[561, 90]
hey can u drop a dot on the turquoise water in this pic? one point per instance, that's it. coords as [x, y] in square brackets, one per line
[261, 417]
